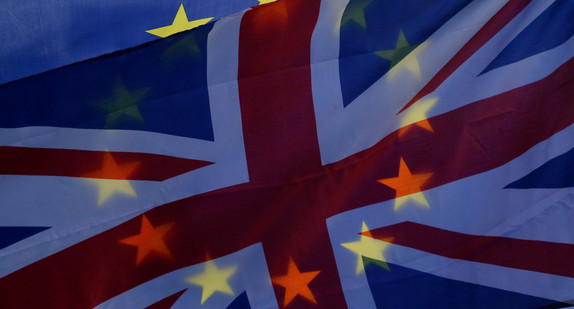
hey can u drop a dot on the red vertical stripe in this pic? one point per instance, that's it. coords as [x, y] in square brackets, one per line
[281, 143]
[275, 91]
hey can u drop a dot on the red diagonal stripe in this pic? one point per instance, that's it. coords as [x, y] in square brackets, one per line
[540, 256]
[493, 26]
[84, 163]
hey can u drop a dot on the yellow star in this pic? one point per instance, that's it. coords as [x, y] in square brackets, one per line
[265, 1]
[368, 247]
[402, 49]
[180, 23]
[112, 178]
[109, 187]
[213, 280]
[187, 46]
[416, 114]
[403, 56]
[355, 11]
[123, 104]
[407, 185]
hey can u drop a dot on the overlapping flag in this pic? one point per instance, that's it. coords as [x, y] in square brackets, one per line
[299, 154]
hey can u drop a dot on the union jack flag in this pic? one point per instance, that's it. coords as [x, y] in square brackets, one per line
[329, 154]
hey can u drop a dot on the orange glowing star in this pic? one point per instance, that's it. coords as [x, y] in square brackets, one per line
[296, 283]
[112, 170]
[112, 178]
[416, 115]
[270, 17]
[150, 239]
[407, 185]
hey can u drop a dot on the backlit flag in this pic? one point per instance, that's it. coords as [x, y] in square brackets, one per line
[301, 154]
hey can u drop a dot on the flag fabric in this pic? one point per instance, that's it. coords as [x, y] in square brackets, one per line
[301, 154]
[41, 36]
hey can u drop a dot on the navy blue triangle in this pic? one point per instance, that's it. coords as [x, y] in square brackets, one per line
[13, 234]
[552, 28]
[407, 288]
[166, 75]
[556, 173]
[359, 65]
[241, 302]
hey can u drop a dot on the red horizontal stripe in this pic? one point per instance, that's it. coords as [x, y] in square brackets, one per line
[540, 256]
[84, 163]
